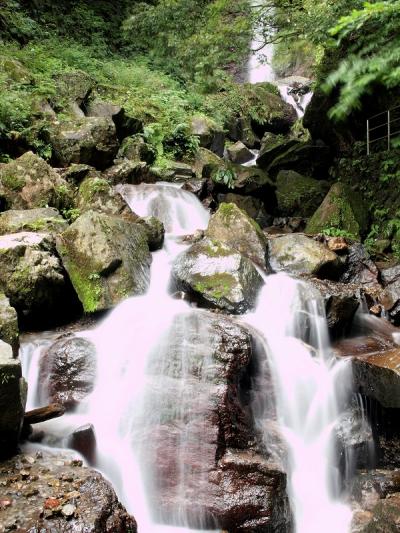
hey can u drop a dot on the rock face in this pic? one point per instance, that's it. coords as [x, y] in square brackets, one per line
[107, 259]
[212, 476]
[90, 141]
[29, 182]
[12, 400]
[342, 209]
[34, 280]
[298, 254]
[233, 227]
[217, 276]
[58, 494]
[299, 195]
[341, 303]
[45, 219]
[9, 332]
[67, 371]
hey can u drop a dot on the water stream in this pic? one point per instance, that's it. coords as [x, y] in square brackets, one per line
[136, 384]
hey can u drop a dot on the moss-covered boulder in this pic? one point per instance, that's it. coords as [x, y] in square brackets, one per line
[342, 209]
[217, 276]
[73, 87]
[45, 219]
[34, 280]
[124, 124]
[301, 255]
[29, 182]
[14, 70]
[12, 400]
[209, 134]
[132, 172]
[254, 207]
[204, 161]
[9, 331]
[299, 195]
[233, 227]
[87, 140]
[240, 129]
[96, 194]
[273, 146]
[135, 148]
[107, 259]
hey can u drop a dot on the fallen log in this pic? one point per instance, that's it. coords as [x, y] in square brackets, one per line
[42, 414]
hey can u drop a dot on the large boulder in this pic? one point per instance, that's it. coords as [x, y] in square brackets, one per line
[9, 331]
[125, 125]
[254, 207]
[34, 280]
[233, 227]
[132, 172]
[299, 195]
[217, 276]
[29, 182]
[45, 219]
[12, 400]
[135, 148]
[209, 134]
[96, 194]
[67, 371]
[341, 303]
[197, 437]
[73, 88]
[54, 492]
[342, 209]
[360, 269]
[107, 259]
[87, 140]
[239, 153]
[299, 254]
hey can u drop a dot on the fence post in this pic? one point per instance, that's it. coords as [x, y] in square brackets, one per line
[368, 137]
[388, 129]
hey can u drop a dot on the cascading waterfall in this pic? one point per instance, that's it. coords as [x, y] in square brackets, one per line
[139, 385]
[311, 388]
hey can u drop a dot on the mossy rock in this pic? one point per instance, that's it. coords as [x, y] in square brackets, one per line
[107, 259]
[9, 331]
[209, 134]
[45, 220]
[299, 195]
[254, 207]
[342, 209]
[135, 148]
[29, 182]
[217, 276]
[233, 227]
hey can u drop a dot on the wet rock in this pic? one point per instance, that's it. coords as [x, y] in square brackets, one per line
[135, 148]
[239, 153]
[45, 219]
[60, 495]
[341, 303]
[212, 477]
[209, 134]
[217, 276]
[155, 232]
[34, 280]
[254, 207]
[132, 172]
[97, 194]
[9, 331]
[234, 228]
[29, 183]
[67, 371]
[298, 254]
[107, 259]
[299, 195]
[13, 391]
[391, 282]
[360, 268]
[90, 141]
[125, 125]
[83, 440]
[341, 209]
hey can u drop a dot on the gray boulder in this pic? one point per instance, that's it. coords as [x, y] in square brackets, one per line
[12, 400]
[209, 134]
[239, 153]
[107, 259]
[217, 276]
[45, 219]
[298, 254]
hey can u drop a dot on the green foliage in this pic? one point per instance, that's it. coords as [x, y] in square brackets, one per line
[337, 232]
[371, 36]
[225, 176]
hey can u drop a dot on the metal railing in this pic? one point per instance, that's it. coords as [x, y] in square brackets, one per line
[382, 128]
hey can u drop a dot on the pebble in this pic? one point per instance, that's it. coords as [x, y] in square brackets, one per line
[68, 510]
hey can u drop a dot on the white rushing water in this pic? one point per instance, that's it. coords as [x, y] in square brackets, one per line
[137, 387]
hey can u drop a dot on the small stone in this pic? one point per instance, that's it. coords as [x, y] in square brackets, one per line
[376, 310]
[337, 244]
[25, 474]
[52, 503]
[68, 510]
[5, 502]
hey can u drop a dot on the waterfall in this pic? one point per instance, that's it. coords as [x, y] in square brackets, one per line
[311, 389]
[150, 348]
